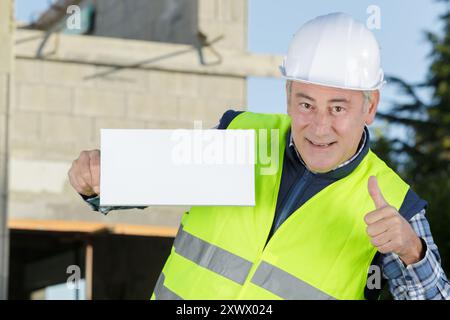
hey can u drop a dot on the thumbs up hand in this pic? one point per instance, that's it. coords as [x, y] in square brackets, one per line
[389, 231]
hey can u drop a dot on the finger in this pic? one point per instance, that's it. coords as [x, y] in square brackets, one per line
[72, 179]
[82, 175]
[381, 240]
[379, 214]
[77, 183]
[84, 187]
[377, 228]
[375, 193]
[94, 164]
[70, 174]
[84, 171]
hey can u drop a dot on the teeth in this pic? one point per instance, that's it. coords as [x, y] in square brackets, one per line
[322, 144]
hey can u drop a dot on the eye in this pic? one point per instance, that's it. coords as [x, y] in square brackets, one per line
[338, 109]
[305, 105]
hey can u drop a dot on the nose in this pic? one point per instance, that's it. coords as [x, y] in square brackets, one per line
[321, 124]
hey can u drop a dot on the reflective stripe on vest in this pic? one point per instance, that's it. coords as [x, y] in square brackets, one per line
[211, 257]
[236, 268]
[164, 293]
[285, 285]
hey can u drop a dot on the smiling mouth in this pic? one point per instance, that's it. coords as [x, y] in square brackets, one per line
[320, 145]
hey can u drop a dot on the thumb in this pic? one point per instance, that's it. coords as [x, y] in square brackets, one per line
[375, 193]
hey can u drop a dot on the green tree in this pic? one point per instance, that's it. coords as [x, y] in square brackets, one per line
[423, 156]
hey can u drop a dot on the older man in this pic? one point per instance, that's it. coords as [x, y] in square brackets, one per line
[332, 212]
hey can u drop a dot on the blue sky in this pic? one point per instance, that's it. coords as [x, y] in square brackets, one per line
[28, 10]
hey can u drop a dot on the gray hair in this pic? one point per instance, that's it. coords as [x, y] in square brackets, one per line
[289, 89]
[367, 99]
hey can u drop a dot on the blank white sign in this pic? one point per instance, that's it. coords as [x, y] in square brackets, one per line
[141, 167]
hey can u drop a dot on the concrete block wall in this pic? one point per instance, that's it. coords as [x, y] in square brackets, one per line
[227, 18]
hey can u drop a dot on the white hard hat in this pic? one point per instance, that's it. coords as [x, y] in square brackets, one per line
[337, 51]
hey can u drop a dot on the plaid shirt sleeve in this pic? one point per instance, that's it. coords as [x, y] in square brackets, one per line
[422, 280]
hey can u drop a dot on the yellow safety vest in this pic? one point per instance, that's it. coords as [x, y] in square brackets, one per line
[321, 251]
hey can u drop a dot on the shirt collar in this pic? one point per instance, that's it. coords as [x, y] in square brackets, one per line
[341, 170]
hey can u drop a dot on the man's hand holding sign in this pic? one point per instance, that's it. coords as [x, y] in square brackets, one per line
[389, 231]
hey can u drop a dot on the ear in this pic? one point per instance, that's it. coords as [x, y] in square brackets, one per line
[372, 109]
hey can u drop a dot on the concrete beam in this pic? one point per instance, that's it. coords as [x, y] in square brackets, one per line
[124, 54]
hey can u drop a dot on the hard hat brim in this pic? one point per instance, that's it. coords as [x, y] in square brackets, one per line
[378, 86]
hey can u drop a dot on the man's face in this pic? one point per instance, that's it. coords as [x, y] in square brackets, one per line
[327, 123]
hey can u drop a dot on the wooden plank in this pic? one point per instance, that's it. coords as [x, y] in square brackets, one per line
[91, 227]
